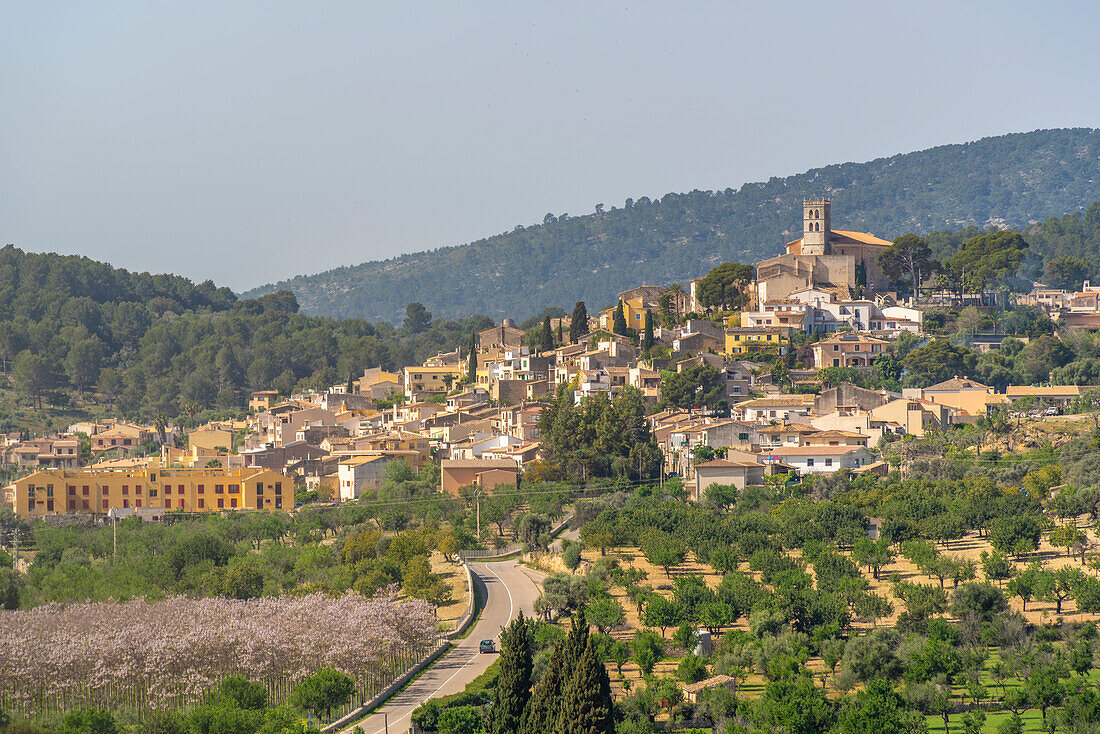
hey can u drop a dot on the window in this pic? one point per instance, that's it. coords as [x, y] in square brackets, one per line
[72, 504]
[836, 363]
[202, 503]
[167, 489]
[84, 490]
[104, 504]
[72, 489]
[809, 462]
[85, 504]
[278, 488]
[234, 489]
[221, 502]
[137, 489]
[836, 347]
[49, 490]
[137, 503]
[259, 489]
[232, 501]
[202, 489]
[49, 505]
[125, 503]
[828, 462]
[218, 489]
[125, 489]
[742, 437]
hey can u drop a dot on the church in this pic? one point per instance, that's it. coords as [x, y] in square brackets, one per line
[833, 260]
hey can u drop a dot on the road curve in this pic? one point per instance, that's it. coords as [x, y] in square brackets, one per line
[507, 589]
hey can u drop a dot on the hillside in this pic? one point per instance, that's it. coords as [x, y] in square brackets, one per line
[81, 338]
[1009, 181]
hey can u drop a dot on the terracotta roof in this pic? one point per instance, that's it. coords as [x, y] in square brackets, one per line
[812, 450]
[836, 434]
[779, 401]
[726, 464]
[861, 237]
[1023, 391]
[718, 680]
[478, 464]
[788, 428]
[849, 337]
[957, 383]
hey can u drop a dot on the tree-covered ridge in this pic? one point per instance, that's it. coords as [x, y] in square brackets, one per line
[1004, 181]
[32, 282]
[151, 344]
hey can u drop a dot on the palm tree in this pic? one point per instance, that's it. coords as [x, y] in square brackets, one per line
[160, 423]
[191, 409]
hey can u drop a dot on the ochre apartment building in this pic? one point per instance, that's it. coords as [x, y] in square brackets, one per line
[94, 491]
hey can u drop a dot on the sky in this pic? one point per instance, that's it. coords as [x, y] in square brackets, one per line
[247, 142]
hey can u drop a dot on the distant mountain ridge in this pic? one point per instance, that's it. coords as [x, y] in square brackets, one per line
[1009, 180]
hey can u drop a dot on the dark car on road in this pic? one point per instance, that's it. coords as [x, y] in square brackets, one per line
[486, 646]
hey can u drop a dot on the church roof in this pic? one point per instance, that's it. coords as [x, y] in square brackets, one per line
[862, 237]
[843, 236]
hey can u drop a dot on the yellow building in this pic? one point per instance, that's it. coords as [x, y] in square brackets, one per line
[432, 379]
[743, 340]
[89, 491]
[634, 310]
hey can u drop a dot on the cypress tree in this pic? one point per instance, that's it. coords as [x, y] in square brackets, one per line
[471, 368]
[544, 711]
[560, 340]
[587, 706]
[618, 324]
[575, 643]
[547, 335]
[647, 340]
[578, 325]
[514, 682]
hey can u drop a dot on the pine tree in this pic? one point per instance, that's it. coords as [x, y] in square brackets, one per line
[514, 682]
[471, 368]
[647, 340]
[587, 706]
[619, 320]
[578, 325]
[547, 335]
[544, 712]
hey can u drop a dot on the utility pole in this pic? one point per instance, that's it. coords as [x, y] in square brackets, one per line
[114, 528]
[477, 499]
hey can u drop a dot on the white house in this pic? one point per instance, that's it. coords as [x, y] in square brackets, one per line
[819, 459]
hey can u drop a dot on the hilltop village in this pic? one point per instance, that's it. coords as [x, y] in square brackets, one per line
[802, 364]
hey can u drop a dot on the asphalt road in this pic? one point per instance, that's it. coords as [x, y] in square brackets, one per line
[507, 588]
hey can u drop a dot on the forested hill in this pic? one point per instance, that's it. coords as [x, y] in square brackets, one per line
[1006, 180]
[148, 344]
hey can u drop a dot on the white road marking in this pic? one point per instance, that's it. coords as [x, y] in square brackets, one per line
[407, 714]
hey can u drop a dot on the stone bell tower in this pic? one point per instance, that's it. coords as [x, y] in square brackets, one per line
[815, 226]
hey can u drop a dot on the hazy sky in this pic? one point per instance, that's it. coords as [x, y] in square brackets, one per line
[252, 141]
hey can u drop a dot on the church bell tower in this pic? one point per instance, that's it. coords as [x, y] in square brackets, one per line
[815, 226]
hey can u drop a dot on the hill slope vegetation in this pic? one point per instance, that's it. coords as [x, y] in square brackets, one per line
[1001, 181]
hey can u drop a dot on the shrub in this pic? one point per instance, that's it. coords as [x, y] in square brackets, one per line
[691, 669]
[571, 556]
